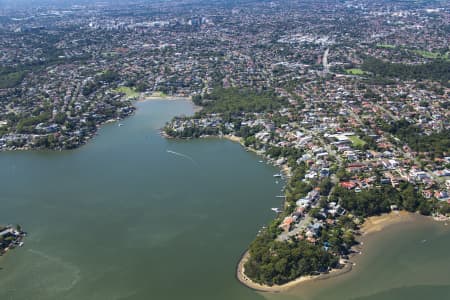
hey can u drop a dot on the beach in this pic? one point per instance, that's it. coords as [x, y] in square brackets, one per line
[233, 138]
[145, 98]
[379, 223]
[240, 274]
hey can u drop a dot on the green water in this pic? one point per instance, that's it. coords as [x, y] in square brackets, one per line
[122, 218]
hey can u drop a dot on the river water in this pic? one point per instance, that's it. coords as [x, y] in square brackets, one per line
[132, 215]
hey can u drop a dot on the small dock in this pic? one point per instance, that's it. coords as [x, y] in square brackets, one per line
[10, 238]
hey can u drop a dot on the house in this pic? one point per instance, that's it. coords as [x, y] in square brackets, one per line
[356, 167]
[348, 185]
[286, 224]
[303, 203]
[427, 194]
[443, 173]
[8, 231]
[442, 195]
[314, 229]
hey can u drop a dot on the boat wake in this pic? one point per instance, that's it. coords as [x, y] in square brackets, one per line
[182, 155]
[68, 276]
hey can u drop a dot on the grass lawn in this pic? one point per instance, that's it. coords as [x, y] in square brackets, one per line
[431, 55]
[356, 141]
[386, 46]
[355, 71]
[159, 94]
[427, 54]
[129, 92]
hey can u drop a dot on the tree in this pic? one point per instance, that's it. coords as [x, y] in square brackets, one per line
[425, 208]
[409, 198]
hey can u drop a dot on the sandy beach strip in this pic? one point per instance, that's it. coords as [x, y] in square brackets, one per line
[378, 223]
[145, 98]
[233, 138]
[240, 274]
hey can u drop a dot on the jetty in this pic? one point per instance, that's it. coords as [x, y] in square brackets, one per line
[10, 238]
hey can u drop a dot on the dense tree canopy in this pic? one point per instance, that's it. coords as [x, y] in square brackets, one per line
[436, 142]
[438, 70]
[234, 100]
[272, 262]
[378, 200]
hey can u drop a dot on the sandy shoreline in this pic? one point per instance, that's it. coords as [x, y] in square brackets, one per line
[239, 140]
[371, 225]
[233, 138]
[240, 274]
[143, 98]
[378, 223]
[284, 168]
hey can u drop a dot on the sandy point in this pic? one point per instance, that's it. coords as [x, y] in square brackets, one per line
[371, 225]
[146, 98]
[233, 138]
[378, 223]
[240, 274]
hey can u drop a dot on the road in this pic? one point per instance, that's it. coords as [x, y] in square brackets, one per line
[298, 228]
[326, 66]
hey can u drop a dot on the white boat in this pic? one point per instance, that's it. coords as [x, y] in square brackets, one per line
[277, 175]
[276, 209]
[120, 124]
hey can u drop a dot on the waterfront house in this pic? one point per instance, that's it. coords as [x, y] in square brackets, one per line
[348, 184]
